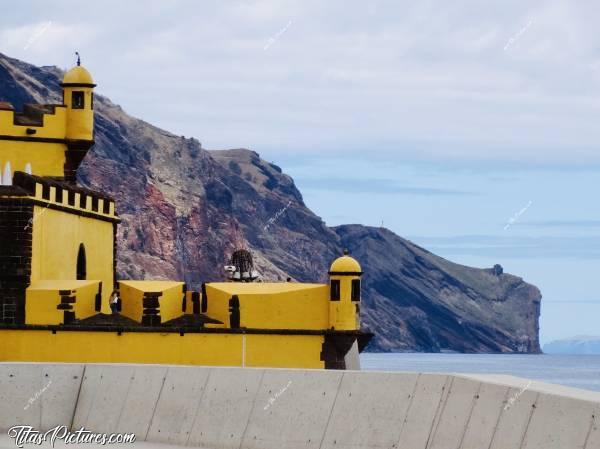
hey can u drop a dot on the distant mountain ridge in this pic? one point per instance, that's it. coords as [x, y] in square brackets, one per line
[184, 208]
[582, 344]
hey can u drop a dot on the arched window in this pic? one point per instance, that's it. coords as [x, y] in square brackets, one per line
[77, 100]
[335, 290]
[81, 264]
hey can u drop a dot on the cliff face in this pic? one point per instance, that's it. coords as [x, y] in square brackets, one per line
[185, 208]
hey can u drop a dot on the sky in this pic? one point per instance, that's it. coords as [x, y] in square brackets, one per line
[468, 127]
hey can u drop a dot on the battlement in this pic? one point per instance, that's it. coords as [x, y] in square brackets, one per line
[36, 122]
[58, 194]
[49, 139]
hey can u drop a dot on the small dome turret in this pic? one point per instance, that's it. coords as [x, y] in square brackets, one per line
[345, 265]
[78, 75]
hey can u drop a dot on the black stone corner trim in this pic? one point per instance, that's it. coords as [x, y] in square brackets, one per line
[184, 300]
[32, 139]
[151, 320]
[364, 338]
[336, 346]
[67, 300]
[234, 312]
[204, 298]
[195, 303]
[69, 317]
[151, 312]
[16, 219]
[98, 299]
[78, 85]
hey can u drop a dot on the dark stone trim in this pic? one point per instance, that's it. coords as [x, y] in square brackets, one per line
[77, 85]
[364, 338]
[150, 303]
[69, 317]
[335, 348]
[98, 299]
[33, 139]
[196, 303]
[76, 151]
[345, 273]
[189, 330]
[234, 312]
[204, 298]
[115, 285]
[151, 311]
[16, 219]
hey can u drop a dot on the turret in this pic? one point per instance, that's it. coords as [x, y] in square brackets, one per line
[344, 293]
[78, 97]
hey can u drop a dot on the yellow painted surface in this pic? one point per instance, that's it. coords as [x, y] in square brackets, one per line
[80, 122]
[43, 297]
[170, 302]
[285, 351]
[46, 159]
[342, 313]
[288, 305]
[151, 286]
[40, 307]
[55, 245]
[54, 125]
[345, 264]
[78, 75]
[131, 301]
[86, 300]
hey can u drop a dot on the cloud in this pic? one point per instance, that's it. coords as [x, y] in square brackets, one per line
[374, 185]
[379, 77]
[29, 41]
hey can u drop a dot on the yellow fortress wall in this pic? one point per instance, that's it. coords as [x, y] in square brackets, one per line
[58, 264]
[56, 242]
[271, 305]
[44, 297]
[165, 296]
[217, 349]
[45, 159]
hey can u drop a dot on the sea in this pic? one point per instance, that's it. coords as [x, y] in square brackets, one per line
[579, 371]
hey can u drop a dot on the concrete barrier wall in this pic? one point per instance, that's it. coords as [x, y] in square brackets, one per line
[277, 408]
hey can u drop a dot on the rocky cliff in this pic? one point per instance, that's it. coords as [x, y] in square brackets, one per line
[185, 208]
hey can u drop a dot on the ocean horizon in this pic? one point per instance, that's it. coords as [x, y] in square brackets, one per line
[572, 370]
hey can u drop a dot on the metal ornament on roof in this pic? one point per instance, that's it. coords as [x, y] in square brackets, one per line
[241, 267]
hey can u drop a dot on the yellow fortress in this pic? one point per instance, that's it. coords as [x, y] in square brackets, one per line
[58, 262]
